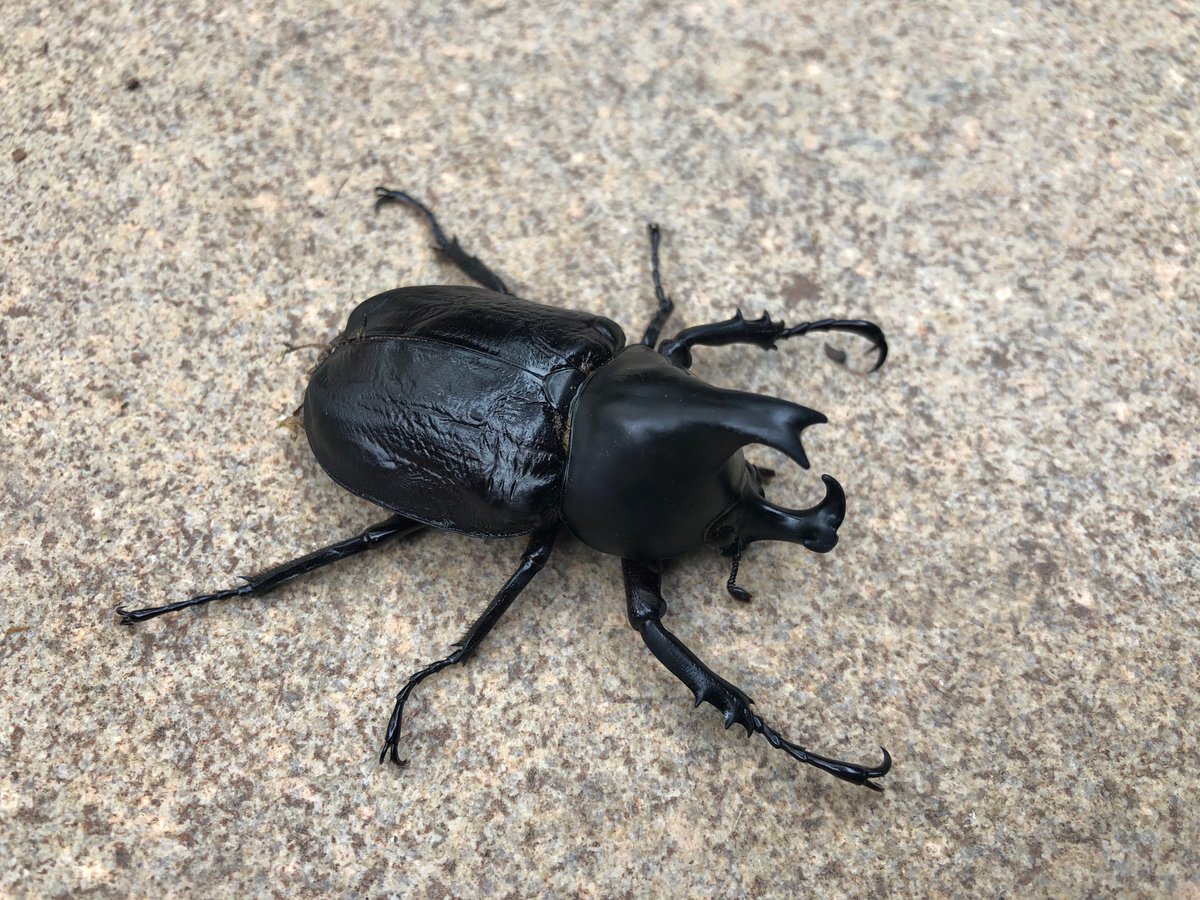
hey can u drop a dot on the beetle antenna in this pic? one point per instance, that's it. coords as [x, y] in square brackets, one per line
[735, 590]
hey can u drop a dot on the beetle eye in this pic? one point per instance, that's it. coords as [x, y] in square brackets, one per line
[723, 535]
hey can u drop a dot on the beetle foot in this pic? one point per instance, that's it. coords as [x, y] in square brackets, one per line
[879, 345]
[389, 749]
[392, 738]
[384, 195]
[390, 744]
[849, 772]
[863, 329]
[133, 616]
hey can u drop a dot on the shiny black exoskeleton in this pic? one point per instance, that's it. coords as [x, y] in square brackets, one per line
[468, 409]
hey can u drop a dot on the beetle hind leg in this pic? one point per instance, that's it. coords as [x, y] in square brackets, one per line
[532, 561]
[256, 585]
[646, 608]
[471, 266]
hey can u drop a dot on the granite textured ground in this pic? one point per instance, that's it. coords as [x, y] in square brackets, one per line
[1009, 188]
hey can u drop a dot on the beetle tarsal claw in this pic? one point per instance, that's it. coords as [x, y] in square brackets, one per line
[392, 740]
[389, 748]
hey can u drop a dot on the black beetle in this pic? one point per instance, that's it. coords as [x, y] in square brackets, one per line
[468, 409]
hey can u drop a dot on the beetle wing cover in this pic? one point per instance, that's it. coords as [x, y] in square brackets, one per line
[528, 335]
[433, 403]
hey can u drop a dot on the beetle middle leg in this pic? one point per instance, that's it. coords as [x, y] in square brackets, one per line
[763, 333]
[532, 561]
[389, 529]
[665, 305]
[471, 266]
[646, 607]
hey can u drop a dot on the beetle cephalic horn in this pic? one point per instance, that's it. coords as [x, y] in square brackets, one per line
[754, 519]
[815, 527]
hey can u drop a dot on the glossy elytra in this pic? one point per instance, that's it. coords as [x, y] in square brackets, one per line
[471, 410]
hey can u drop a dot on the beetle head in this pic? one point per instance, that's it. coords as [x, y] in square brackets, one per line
[655, 465]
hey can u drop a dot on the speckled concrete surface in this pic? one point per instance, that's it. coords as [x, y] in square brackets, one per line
[1009, 188]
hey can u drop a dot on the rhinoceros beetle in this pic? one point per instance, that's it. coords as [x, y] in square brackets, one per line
[471, 410]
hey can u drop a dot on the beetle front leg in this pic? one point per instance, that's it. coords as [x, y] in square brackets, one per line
[471, 266]
[256, 585]
[762, 332]
[646, 607]
[532, 561]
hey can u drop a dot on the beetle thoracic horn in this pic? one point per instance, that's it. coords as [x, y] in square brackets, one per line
[754, 519]
[755, 419]
[715, 421]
